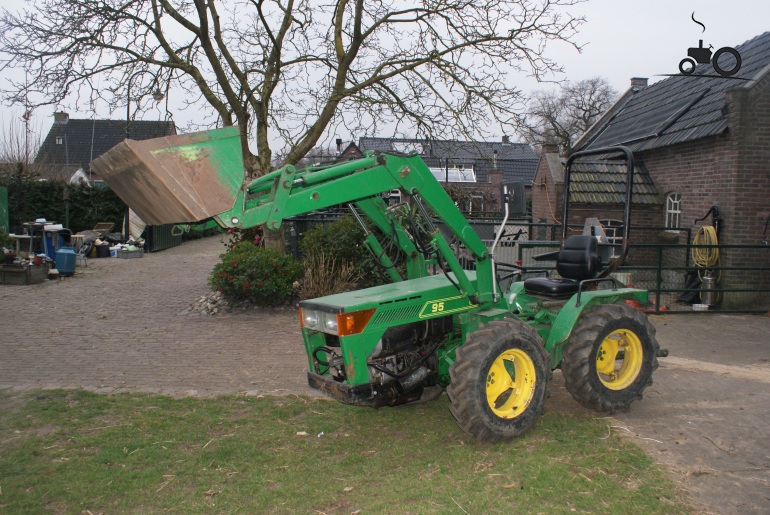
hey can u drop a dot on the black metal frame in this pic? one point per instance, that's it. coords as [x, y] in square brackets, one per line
[629, 157]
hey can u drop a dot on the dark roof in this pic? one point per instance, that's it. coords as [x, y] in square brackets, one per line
[605, 183]
[681, 108]
[84, 140]
[517, 160]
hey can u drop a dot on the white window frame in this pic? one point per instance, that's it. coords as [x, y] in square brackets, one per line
[673, 210]
[613, 229]
[456, 173]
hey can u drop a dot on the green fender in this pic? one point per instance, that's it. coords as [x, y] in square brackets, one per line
[569, 314]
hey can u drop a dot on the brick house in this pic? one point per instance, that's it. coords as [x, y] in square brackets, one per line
[471, 170]
[71, 144]
[704, 141]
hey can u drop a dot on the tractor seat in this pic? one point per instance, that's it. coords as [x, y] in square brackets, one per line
[578, 259]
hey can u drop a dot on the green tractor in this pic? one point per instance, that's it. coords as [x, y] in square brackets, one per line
[486, 336]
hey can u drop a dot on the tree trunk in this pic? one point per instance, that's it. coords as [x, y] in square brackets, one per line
[274, 239]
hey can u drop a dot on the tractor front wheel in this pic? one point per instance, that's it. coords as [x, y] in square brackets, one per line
[609, 358]
[498, 381]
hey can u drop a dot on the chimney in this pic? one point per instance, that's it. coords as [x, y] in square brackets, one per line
[638, 83]
[61, 117]
[506, 140]
[549, 148]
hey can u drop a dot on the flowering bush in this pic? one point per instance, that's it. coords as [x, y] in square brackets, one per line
[266, 277]
[236, 235]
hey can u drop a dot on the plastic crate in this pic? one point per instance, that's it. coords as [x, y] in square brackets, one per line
[130, 254]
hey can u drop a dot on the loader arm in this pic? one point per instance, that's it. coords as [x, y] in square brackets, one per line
[289, 192]
[183, 176]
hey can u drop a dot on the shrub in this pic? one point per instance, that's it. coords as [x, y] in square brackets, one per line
[342, 243]
[325, 276]
[263, 276]
[6, 241]
[252, 234]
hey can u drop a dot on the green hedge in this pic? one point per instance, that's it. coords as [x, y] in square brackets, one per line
[30, 199]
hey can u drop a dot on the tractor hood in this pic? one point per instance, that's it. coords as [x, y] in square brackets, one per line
[406, 301]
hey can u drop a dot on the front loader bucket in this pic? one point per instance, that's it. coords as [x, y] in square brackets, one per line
[176, 179]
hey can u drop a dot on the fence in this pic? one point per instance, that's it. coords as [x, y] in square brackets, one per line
[661, 263]
[161, 237]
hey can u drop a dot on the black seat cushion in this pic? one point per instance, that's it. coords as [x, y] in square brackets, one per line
[578, 258]
[551, 287]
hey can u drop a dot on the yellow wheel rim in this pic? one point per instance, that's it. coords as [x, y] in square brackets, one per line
[511, 383]
[619, 359]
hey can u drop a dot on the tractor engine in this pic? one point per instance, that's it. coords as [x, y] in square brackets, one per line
[402, 363]
[405, 355]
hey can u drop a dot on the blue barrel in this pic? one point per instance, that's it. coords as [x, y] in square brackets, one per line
[65, 260]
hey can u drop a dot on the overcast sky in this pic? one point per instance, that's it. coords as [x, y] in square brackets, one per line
[622, 38]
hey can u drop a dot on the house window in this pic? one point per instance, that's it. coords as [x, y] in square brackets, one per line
[454, 173]
[59, 140]
[673, 210]
[613, 229]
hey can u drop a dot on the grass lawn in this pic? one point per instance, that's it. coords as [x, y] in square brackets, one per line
[78, 452]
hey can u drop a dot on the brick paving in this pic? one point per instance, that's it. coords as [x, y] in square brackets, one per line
[119, 325]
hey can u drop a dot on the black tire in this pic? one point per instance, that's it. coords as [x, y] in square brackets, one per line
[501, 346]
[86, 248]
[719, 53]
[585, 365]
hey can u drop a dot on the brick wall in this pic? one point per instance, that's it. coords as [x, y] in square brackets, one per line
[490, 190]
[732, 171]
[703, 172]
[750, 118]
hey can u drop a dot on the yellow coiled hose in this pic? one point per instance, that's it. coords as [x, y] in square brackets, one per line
[705, 258]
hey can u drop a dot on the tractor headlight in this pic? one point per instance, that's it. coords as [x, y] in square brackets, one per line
[341, 324]
[310, 318]
[330, 322]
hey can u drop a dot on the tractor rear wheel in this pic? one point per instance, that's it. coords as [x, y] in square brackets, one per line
[498, 381]
[610, 356]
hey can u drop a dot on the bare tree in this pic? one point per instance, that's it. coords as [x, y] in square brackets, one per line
[19, 143]
[287, 69]
[562, 116]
